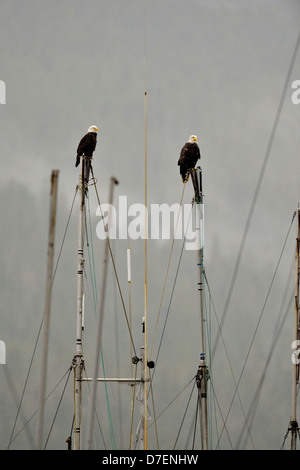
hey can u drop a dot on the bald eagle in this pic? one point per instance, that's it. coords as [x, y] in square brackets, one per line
[189, 155]
[86, 147]
[87, 144]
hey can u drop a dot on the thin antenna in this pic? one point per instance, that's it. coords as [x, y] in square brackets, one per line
[52, 222]
[145, 355]
[145, 320]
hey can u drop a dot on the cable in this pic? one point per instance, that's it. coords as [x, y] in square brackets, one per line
[277, 331]
[50, 393]
[40, 328]
[230, 366]
[166, 275]
[259, 320]
[171, 297]
[184, 415]
[55, 415]
[116, 274]
[258, 186]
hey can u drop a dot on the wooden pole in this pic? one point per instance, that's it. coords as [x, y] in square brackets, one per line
[46, 320]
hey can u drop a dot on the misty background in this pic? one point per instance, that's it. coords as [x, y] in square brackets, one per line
[220, 69]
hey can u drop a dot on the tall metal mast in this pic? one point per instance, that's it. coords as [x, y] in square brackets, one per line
[78, 362]
[113, 181]
[202, 373]
[293, 423]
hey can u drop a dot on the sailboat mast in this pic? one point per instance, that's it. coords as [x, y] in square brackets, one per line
[46, 326]
[78, 358]
[293, 423]
[202, 373]
[113, 181]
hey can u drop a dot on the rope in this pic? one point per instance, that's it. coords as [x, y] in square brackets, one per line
[171, 298]
[184, 415]
[132, 409]
[116, 274]
[259, 182]
[154, 412]
[39, 331]
[28, 421]
[172, 401]
[166, 275]
[259, 320]
[95, 302]
[55, 415]
[98, 421]
[278, 329]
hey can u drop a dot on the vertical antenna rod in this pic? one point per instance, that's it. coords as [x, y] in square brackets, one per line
[145, 321]
[52, 222]
[293, 423]
[145, 356]
[78, 361]
[202, 373]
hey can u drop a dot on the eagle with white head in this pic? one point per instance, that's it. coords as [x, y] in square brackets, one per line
[189, 155]
[87, 144]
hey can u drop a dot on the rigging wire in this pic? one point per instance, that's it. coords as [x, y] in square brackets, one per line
[198, 405]
[97, 416]
[55, 415]
[14, 395]
[230, 366]
[170, 301]
[254, 404]
[167, 272]
[172, 293]
[40, 328]
[277, 330]
[95, 302]
[172, 401]
[32, 416]
[115, 270]
[258, 186]
[259, 320]
[184, 415]
[154, 412]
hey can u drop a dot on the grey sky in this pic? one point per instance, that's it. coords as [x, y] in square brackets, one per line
[212, 68]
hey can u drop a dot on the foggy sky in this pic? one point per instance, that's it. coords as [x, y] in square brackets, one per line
[214, 68]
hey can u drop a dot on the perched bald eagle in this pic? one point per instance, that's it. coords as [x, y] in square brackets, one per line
[189, 156]
[87, 144]
[86, 147]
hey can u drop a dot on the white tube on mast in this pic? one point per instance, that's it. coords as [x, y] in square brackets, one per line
[128, 265]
